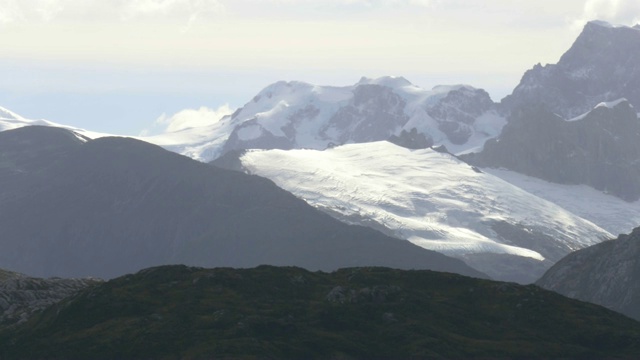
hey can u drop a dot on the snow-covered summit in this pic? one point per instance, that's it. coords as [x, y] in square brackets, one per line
[9, 120]
[390, 81]
[293, 114]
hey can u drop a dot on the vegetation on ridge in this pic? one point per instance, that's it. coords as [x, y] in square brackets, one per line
[183, 312]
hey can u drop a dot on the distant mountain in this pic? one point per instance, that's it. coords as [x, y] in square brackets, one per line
[74, 208]
[21, 296]
[431, 199]
[356, 313]
[603, 65]
[10, 120]
[294, 115]
[600, 148]
[607, 274]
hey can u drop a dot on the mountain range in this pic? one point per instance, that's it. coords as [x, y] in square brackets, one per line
[380, 173]
[446, 204]
[74, 207]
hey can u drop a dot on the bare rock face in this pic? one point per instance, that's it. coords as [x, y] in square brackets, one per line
[374, 113]
[22, 296]
[458, 110]
[602, 65]
[601, 149]
[606, 274]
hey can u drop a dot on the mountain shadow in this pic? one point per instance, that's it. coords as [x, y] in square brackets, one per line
[74, 208]
[607, 274]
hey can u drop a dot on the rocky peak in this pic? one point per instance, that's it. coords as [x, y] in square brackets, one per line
[603, 64]
[599, 148]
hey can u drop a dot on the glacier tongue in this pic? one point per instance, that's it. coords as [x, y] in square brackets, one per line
[433, 200]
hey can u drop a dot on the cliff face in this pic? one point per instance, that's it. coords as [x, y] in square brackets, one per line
[600, 149]
[603, 64]
[606, 274]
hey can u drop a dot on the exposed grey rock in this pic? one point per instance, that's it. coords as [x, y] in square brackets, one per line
[411, 140]
[22, 296]
[607, 274]
[458, 110]
[602, 65]
[374, 113]
[601, 150]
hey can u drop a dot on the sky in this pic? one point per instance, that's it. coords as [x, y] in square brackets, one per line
[147, 66]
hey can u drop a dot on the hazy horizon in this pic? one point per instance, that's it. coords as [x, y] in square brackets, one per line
[117, 67]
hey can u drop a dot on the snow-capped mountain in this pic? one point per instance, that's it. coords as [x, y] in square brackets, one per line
[10, 120]
[602, 65]
[433, 200]
[293, 115]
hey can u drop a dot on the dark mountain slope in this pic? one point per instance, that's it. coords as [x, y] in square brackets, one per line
[602, 149]
[607, 274]
[357, 313]
[115, 205]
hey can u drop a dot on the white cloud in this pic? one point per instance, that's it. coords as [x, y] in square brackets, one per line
[186, 9]
[30, 11]
[188, 118]
[12, 11]
[618, 12]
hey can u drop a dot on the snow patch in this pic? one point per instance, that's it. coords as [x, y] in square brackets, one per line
[607, 104]
[611, 104]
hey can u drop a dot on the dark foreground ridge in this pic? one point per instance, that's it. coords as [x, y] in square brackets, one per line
[359, 313]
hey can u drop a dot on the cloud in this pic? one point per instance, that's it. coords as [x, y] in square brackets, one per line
[619, 12]
[13, 11]
[188, 118]
[30, 11]
[367, 3]
[185, 9]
